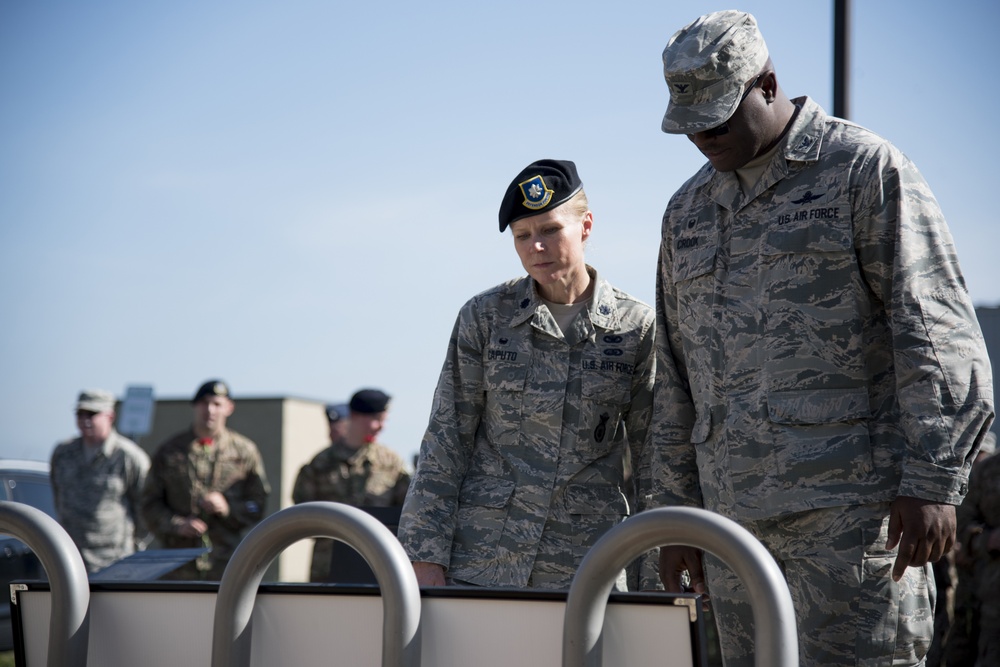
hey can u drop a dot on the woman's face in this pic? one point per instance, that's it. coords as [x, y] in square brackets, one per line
[550, 246]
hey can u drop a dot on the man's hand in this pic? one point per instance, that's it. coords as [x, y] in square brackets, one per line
[191, 527]
[429, 574]
[214, 502]
[923, 529]
[676, 559]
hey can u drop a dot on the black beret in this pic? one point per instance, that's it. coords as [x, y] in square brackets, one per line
[211, 388]
[369, 401]
[541, 186]
[336, 411]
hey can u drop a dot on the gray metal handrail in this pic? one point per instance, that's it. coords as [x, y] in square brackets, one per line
[232, 633]
[69, 619]
[774, 619]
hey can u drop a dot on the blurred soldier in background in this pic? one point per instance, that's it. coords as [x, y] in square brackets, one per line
[97, 483]
[975, 631]
[355, 469]
[205, 486]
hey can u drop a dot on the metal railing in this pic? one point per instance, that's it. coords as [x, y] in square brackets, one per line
[232, 632]
[775, 639]
[69, 620]
[775, 636]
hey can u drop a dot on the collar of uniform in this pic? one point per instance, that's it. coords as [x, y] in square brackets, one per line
[108, 446]
[603, 308]
[805, 138]
[525, 299]
[603, 305]
[105, 447]
[217, 443]
[344, 452]
[801, 144]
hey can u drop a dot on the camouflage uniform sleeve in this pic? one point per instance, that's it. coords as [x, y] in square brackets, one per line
[402, 486]
[429, 512]
[157, 515]
[637, 426]
[972, 523]
[944, 380]
[637, 421]
[248, 507]
[137, 472]
[54, 478]
[304, 490]
[672, 460]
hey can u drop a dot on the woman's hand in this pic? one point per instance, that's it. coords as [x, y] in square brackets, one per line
[429, 574]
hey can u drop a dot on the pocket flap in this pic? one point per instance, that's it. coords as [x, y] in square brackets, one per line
[702, 427]
[486, 491]
[818, 406]
[594, 499]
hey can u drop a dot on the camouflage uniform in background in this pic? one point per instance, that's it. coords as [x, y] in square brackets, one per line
[182, 471]
[978, 622]
[97, 498]
[955, 591]
[521, 468]
[819, 356]
[372, 476]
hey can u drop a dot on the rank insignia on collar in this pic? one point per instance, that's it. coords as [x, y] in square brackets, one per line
[536, 194]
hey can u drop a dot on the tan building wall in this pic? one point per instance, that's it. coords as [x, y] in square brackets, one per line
[288, 431]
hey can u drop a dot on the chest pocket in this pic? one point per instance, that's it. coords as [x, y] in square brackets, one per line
[810, 305]
[505, 376]
[113, 485]
[832, 234]
[506, 360]
[694, 256]
[608, 368]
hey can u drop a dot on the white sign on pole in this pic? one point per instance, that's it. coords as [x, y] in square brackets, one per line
[136, 417]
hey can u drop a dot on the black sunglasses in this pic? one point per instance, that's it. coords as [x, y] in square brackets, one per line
[720, 130]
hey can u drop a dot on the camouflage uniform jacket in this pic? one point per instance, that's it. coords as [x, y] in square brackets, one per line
[817, 346]
[97, 500]
[527, 434]
[182, 471]
[979, 515]
[372, 476]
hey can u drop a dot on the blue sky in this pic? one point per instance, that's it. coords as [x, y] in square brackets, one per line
[298, 197]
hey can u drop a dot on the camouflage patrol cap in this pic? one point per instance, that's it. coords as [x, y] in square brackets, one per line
[539, 187]
[95, 400]
[211, 388]
[706, 64]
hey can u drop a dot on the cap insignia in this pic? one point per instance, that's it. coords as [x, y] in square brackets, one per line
[536, 194]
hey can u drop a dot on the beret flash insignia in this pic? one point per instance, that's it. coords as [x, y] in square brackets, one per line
[536, 194]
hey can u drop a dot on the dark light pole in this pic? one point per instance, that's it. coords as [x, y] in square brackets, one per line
[841, 58]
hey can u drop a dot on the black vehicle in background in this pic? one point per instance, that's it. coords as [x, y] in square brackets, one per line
[23, 482]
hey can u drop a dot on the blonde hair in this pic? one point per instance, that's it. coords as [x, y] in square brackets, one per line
[579, 203]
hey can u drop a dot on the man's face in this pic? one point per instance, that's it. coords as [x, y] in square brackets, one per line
[364, 427]
[95, 427]
[338, 429]
[748, 135]
[211, 412]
